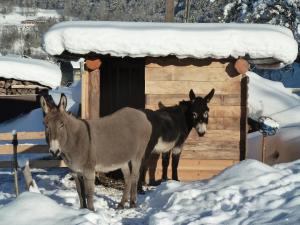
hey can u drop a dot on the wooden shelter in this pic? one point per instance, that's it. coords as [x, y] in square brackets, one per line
[119, 77]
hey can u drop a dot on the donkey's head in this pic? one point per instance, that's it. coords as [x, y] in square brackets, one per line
[199, 111]
[55, 119]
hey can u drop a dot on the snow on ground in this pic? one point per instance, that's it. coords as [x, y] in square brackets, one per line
[36, 70]
[162, 39]
[247, 193]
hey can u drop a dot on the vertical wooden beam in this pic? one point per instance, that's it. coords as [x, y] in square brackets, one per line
[84, 94]
[244, 116]
[187, 11]
[91, 89]
[169, 11]
[15, 162]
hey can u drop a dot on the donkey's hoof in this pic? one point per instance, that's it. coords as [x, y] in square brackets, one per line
[141, 191]
[92, 209]
[120, 206]
[133, 204]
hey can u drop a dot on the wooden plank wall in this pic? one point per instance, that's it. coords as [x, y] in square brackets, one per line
[169, 80]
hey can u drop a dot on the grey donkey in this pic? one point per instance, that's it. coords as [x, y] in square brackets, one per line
[118, 141]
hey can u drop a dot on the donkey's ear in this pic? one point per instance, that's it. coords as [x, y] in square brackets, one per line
[210, 95]
[44, 104]
[62, 103]
[161, 105]
[192, 95]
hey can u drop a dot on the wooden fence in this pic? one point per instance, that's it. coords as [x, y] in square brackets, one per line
[14, 148]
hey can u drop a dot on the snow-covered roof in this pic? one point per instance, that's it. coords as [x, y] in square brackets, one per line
[140, 39]
[40, 71]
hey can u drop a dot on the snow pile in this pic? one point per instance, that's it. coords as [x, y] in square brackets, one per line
[35, 70]
[247, 193]
[271, 98]
[182, 40]
[33, 208]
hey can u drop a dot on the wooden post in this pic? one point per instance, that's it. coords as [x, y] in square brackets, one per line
[187, 11]
[91, 89]
[15, 161]
[169, 11]
[263, 150]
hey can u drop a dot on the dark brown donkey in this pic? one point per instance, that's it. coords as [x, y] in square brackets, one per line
[106, 144]
[171, 127]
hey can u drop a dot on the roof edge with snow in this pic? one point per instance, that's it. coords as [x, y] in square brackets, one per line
[184, 40]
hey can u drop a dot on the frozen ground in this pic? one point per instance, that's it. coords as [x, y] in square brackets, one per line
[247, 193]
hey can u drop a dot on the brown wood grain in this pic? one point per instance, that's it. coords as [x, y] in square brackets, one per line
[191, 169]
[216, 135]
[183, 87]
[36, 164]
[8, 149]
[23, 136]
[187, 73]
[174, 99]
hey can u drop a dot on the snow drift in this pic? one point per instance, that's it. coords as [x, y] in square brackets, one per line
[247, 193]
[33, 208]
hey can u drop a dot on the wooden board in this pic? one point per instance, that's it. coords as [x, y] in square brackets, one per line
[183, 87]
[191, 169]
[36, 164]
[188, 73]
[23, 136]
[174, 99]
[215, 135]
[8, 149]
[215, 111]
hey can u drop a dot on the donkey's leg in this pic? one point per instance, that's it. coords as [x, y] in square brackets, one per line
[89, 186]
[135, 173]
[80, 189]
[127, 179]
[175, 160]
[165, 164]
[142, 177]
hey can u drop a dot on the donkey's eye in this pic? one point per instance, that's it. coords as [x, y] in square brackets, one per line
[205, 115]
[61, 125]
[195, 115]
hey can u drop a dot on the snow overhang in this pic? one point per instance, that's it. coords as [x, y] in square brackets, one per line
[27, 69]
[265, 42]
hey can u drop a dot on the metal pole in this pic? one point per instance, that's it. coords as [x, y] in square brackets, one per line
[15, 161]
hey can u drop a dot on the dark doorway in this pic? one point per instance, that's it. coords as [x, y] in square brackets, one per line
[122, 83]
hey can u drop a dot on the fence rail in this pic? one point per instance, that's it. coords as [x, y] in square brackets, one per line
[19, 149]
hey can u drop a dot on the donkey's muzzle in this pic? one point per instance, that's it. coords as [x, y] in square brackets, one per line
[54, 153]
[201, 134]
